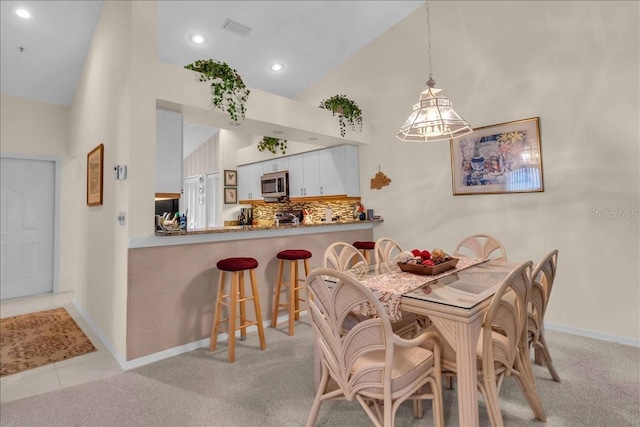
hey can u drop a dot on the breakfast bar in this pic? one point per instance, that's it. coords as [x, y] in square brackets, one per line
[172, 276]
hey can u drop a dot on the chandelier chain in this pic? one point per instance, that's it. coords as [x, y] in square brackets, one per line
[429, 40]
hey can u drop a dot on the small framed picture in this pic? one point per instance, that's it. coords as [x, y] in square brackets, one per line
[230, 195]
[95, 160]
[230, 178]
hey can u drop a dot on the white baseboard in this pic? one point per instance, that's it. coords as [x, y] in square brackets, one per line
[165, 354]
[592, 334]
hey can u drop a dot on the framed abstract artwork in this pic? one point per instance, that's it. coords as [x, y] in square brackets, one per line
[502, 158]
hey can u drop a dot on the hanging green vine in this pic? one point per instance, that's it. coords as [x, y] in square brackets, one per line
[347, 110]
[227, 88]
[272, 144]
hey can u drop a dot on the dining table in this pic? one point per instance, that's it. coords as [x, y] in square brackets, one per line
[455, 302]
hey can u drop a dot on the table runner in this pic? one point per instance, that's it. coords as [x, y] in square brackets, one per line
[389, 287]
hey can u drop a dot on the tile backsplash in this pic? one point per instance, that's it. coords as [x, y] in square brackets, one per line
[341, 208]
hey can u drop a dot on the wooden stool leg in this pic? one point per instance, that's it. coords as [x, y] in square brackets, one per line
[256, 304]
[232, 317]
[243, 307]
[294, 285]
[292, 295]
[216, 316]
[276, 298]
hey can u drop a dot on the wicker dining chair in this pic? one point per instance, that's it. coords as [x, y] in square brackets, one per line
[368, 362]
[386, 249]
[343, 256]
[502, 347]
[542, 280]
[481, 246]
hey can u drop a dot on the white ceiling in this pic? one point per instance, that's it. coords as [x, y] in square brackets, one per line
[309, 38]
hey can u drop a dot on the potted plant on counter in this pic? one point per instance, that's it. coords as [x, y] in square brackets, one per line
[346, 109]
[272, 144]
[227, 88]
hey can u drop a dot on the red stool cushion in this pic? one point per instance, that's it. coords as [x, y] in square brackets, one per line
[294, 254]
[364, 245]
[237, 264]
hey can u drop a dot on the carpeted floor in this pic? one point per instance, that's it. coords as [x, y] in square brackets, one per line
[32, 340]
[600, 387]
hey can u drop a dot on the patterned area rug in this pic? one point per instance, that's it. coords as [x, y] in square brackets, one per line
[32, 340]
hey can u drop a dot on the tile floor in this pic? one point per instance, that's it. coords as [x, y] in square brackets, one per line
[74, 371]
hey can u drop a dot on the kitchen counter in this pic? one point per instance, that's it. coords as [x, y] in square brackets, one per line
[238, 232]
[172, 277]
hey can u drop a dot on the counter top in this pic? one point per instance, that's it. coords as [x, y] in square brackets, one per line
[238, 232]
[251, 228]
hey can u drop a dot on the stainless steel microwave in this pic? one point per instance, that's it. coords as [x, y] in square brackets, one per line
[275, 184]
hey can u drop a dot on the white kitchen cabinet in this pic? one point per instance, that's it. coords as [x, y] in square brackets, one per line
[353, 171]
[327, 172]
[249, 181]
[278, 164]
[333, 170]
[304, 174]
[168, 151]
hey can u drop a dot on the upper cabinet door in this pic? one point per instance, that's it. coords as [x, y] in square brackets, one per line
[168, 151]
[353, 171]
[275, 165]
[249, 181]
[333, 171]
[304, 175]
[296, 176]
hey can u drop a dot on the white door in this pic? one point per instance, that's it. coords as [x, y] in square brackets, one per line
[26, 227]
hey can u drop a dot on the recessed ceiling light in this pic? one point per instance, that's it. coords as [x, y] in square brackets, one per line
[277, 67]
[197, 39]
[23, 13]
[277, 132]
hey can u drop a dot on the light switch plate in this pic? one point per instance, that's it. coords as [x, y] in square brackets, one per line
[121, 218]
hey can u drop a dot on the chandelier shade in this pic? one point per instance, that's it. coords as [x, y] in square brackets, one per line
[433, 117]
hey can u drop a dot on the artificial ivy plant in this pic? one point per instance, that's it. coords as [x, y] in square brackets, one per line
[227, 88]
[346, 109]
[272, 144]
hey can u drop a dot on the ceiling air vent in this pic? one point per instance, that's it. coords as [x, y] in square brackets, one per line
[236, 28]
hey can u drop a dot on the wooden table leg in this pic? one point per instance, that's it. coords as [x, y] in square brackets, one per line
[466, 341]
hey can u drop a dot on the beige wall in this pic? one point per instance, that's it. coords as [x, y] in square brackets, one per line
[203, 160]
[573, 64]
[114, 106]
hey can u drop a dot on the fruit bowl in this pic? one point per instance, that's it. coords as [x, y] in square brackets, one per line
[426, 270]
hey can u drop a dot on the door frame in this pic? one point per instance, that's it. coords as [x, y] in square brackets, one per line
[57, 164]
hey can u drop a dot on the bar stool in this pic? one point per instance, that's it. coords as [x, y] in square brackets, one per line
[293, 305]
[366, 248]
[236, 295]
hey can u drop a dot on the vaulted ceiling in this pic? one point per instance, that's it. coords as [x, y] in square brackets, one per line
[42, 57]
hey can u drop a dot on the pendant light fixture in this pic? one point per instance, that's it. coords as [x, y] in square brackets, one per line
[433, 117]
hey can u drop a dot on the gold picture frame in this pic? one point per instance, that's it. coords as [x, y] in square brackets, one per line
[498, 159]
[230, 195]
[230, 178]
[95, 176]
